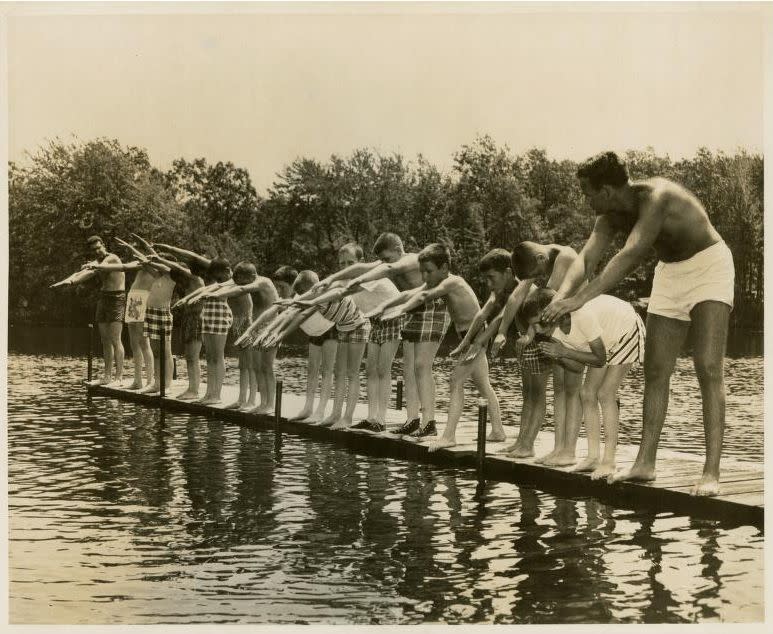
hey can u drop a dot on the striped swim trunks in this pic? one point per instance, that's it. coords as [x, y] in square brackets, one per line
[630, 348]
[157, 320]
[427, 323]
[216, 317]
[384, 330]
[360, 334]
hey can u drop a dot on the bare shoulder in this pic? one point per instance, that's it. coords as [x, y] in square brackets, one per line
[111, 258]
[566, 254]
[661, 192]
[408, 261]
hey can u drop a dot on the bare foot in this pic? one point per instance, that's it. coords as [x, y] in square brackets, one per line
[102, 381]
[634, 474]
[497, 436]
[187, 396]
[548, 456]
[604, 470]
[441, 443]
[561, 460]
[707, 486]
[235, 405]
[587, 465]
[302, 415]
[148, 389]
[314, 418]
[519, 451]
[134, 386]
[210, 400]
[342, 424]
[328, 421]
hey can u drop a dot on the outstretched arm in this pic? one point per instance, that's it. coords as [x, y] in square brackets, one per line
[76, 278]
[386, 269]
[350, 272]
[235, 290]
[512, 306]
[196, 295]
[172, 266]
[597, 356]
[395, 301]
[333, 295]
[284, 328]
[189, 256]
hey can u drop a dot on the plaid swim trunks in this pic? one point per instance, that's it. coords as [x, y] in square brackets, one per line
[216, 317]
[534, 361]
[330, 335]
[110, 306]
[360, 334]
[427, 323]
[157, 320]
[386, 330]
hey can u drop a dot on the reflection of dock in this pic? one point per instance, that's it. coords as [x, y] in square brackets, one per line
[742, 499]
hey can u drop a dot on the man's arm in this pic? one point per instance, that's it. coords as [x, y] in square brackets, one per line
[128, 266]
[76, 278]
[640, 241]
[588, 259]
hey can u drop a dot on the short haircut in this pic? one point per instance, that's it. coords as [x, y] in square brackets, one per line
[353, 248]
[437, 253]
[387, 240]
[535, 303]
[245, 268]
[606, 168]
[218, 266]
[304, 281]
[196, 268]
[524, 259]
[95, 238]
[285, 273]
[495, 260]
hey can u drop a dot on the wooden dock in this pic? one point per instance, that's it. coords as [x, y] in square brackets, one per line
[742, 483]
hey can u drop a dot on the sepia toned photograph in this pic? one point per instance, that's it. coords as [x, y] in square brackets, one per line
[384, 313]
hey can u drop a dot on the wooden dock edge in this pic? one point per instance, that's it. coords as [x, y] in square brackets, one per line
[627, 495]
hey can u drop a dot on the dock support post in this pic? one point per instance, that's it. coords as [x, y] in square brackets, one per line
[90, 362]
[481, 454]
[162, 369]
[174, 368]
[399, 404]
[278, 406]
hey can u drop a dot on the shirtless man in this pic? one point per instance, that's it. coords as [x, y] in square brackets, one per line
[403, 269]
[110, 307]
[463, 307]
[692, 290]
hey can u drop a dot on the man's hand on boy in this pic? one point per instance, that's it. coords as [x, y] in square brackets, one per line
[553, 348]
[459, 350]
[498, 343]
[472, 352]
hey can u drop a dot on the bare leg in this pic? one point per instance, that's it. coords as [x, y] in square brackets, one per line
[114, 329]
[155, 386]
[573, 417]
[354, 351]
[665, 337]
[385, 359]
[709, 330]
[610, 413]
[312, 374]
[215, 346]
[329, 354]
[412, 402]
[425, 380]
[559, 414]
[266, 380]
[373, 384]
[589, 395]
[244, 380]
[480, 376]
[341, 366]
[107, 354]
[459, 375]
[135, 338]
[147, 356]
[192, 352]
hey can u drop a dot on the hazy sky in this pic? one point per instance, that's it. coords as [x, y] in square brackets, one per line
[260, 89]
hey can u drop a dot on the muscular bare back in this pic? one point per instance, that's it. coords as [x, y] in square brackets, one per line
[686, 228]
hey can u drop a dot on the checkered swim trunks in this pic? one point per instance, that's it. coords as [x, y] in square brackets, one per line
[534, 361]
[157, 320]
[427, 323]
[386, 330]
[216, 317]
[360, 334]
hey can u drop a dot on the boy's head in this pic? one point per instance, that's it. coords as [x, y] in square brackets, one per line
[304, 281]
[601, 179]
[283, 279]
[97, 246]
[220, 269]
[531, 261]
[196, 268]
[495, 266]
[388, 247]
[349, 254]
[245, 273]
[531, 310]
[434, 263]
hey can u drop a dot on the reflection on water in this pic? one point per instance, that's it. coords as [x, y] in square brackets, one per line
[118, 515]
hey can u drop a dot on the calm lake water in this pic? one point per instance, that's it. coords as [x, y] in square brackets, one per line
[118, 515]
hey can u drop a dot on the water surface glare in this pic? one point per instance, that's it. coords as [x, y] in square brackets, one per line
[118, 515]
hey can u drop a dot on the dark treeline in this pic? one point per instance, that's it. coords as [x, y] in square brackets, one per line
[491, 198]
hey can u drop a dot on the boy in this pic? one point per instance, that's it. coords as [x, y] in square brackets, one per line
[256, 371]
[283, 279]
[607, 335]
[463, 306]
[110, 308]
[537, 265]
[158, 318]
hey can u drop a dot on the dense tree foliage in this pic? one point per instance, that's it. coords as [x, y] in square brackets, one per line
[490, 198]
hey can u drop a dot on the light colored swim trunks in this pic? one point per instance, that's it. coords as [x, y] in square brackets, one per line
[677, 287]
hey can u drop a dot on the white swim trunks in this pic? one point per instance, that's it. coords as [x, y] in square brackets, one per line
[136, 305]
[677, 287]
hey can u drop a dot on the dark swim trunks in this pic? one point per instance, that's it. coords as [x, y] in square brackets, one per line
[110, 306]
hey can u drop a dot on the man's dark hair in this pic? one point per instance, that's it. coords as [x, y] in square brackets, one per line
[436, 253]
[285, 273]
[387, 240]
[495, 260]
[353, 248]
[524, 259]
[95, 238]
[606, 168]
[535, 303]
[218, 266]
